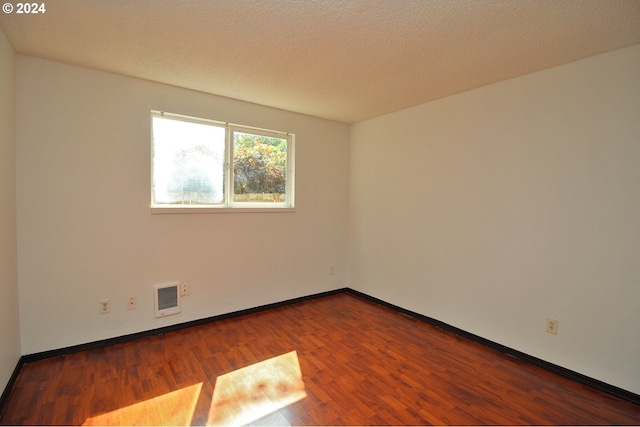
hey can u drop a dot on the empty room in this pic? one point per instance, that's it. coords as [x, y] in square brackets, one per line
[291, 212]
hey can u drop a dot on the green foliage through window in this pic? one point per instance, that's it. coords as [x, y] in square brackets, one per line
[260, 164]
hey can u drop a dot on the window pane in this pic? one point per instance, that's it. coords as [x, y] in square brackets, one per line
[259, 168]
[188, 161]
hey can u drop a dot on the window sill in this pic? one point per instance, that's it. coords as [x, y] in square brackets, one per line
[217, 210]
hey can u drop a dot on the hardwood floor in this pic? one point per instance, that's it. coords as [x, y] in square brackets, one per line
[360, 364]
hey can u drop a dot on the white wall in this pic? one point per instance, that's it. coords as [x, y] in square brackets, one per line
[9, 318]
[85, 230]
[496, 208]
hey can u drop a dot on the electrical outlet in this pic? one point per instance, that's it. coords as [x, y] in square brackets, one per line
[332, 270]
[184, 290]
[552, 325]
[105, 306]
[131, 303]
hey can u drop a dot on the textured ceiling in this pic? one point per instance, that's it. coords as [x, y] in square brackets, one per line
[336, 59]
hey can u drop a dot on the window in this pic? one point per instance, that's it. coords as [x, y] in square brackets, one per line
[201, 165]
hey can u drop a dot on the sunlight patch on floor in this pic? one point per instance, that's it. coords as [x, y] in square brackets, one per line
[250, 393]
[171, 409]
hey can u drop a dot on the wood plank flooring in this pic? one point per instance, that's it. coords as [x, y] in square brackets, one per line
[361, 364]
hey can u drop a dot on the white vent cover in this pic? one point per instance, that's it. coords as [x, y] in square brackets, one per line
[166, 298]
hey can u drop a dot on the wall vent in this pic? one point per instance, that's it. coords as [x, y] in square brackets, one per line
[166, 297]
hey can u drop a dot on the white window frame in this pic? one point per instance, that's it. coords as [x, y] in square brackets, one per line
[229, 205]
